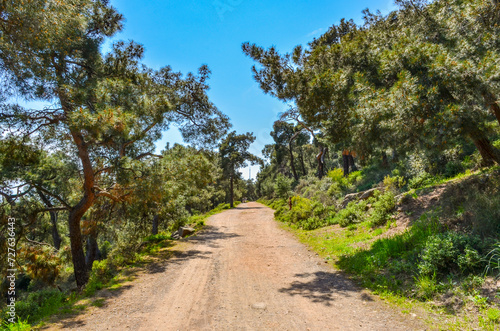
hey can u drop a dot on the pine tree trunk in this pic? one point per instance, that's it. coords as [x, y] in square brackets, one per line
[56, 238]
[292, 162]
[345, 161]
[489, 153]
[93, 252]
[75, 237]
[231, 194]
[351, 162]
[301, 158]
[76, 213]
[154, 230]
[55, 232]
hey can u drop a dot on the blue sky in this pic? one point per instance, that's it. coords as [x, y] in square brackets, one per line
[188, 33]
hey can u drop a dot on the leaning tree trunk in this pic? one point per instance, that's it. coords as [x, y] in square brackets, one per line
[77, 255]
[76, 213]
[489, 153]
[56, 238]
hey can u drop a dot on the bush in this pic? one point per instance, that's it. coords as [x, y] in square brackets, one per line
[41, 263]
[282, 186]
[382, 209]
[155, 238]
[352, 213]
[337, 176]
[102, 272]
[39, 304]
[422, 180]
[449, 252]
[453, 168]
[395, 182]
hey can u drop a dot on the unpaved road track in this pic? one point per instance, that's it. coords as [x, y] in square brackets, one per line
[241, 273]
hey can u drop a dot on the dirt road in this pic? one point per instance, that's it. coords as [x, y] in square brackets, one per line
[241, 273]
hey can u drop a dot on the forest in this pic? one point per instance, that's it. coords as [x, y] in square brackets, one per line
[386, 160]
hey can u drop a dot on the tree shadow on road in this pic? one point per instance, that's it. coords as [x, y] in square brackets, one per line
[210, 236]
[168, 257]
[324, 288]
[249, 208]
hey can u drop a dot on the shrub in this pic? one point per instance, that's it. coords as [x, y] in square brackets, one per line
[41, 263]
[39, 304]
[382, 208]
[282, 186]
[337, 176]
[395, 182]
[352, 213]
[101, 273]
[421, 180]
[450, 251]
[155, 238]
[312, 223]
[453, 168]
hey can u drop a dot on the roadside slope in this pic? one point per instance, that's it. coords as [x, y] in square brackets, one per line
[242, 273]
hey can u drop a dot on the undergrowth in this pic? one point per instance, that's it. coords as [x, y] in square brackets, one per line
[37, 304]
[450, 251]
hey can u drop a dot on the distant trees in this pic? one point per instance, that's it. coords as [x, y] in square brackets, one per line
[233, 153]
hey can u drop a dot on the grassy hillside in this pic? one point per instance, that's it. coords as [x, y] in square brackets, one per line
[432, 246]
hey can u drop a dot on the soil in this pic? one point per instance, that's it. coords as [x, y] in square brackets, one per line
[242, 272]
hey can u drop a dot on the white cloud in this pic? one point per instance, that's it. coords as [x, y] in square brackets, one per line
[316, 32]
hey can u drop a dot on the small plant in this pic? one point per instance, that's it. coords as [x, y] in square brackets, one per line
[422, 180]
[38, 305]
[20, 325]
[426, 286]
[101, 273]
[157, 237]
[395, 182]
[493, 260]
[493, 315]
[472, 283]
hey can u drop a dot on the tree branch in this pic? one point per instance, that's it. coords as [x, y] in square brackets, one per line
[61, 200]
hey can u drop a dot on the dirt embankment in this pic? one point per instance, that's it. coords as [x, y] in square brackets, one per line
[241, 273]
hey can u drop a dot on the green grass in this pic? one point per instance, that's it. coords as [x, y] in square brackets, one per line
[20, 325]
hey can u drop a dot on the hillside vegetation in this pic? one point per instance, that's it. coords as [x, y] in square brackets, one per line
[386, 159]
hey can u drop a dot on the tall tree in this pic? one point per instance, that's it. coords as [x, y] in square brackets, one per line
[106, 109]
